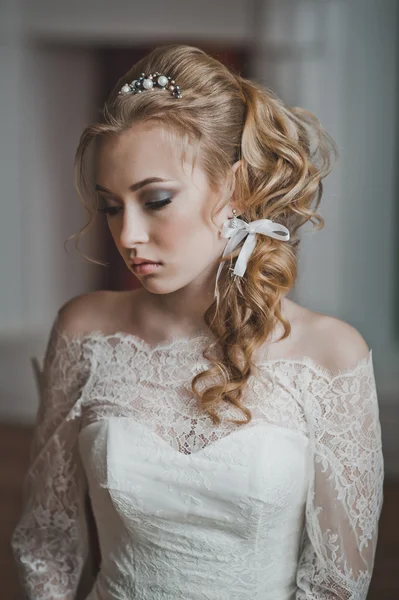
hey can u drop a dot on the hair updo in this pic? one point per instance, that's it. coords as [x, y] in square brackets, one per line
[285, 154]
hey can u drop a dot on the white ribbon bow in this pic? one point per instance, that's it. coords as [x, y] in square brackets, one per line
[239, 232]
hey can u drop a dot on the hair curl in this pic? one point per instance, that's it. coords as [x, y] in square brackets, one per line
[285, 154]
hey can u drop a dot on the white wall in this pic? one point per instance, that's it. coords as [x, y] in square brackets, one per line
[62, 92]
[124, 21]
[11, 55]
[371, 154]
[300, 56]
[39, 208]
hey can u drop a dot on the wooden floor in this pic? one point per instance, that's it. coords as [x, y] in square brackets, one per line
[14, 448]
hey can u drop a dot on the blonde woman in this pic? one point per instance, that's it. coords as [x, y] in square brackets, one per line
[225, 439]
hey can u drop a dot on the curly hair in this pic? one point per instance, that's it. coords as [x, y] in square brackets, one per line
[285, 153]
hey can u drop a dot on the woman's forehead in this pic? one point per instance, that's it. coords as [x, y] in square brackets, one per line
[149, 149]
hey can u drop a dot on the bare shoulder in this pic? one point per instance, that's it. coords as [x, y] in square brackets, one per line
[87, 312]
[333, 343]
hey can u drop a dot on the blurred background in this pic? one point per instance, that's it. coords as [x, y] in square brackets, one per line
[337, 58]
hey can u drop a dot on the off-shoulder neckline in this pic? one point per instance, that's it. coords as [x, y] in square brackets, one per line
[197, 338]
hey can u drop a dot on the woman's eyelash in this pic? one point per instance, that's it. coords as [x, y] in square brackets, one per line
[113, 210]
[109, 210]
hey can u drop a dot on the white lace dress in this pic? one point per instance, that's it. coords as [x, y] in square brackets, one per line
[285, 507]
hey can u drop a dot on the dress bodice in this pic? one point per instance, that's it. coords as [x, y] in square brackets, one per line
[223, 522]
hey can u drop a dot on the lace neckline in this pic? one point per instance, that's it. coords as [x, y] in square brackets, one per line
[176, 342]
[194, 343]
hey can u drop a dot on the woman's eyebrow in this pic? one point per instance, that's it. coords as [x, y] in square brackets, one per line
[135, 186]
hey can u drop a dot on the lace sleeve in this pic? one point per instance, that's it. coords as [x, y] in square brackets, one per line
[50, 541]
[345, 492]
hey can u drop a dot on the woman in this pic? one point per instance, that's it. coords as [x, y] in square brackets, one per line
[226, 439]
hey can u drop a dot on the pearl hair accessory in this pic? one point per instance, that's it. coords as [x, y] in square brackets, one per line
[237, 229]
[150, 82]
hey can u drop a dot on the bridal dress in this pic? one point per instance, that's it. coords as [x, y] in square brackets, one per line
[133, 493]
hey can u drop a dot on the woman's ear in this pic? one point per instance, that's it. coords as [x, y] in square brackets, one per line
[236, 165]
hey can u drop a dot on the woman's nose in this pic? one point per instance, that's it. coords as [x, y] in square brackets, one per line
[133, 230]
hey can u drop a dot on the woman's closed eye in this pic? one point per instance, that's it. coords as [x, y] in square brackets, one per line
[113, 210]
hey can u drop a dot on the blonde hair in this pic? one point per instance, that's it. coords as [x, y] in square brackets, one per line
[285, 154]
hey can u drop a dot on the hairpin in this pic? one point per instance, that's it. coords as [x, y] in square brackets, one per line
[149, 82]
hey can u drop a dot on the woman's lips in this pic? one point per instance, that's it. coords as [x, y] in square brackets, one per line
[145, 268]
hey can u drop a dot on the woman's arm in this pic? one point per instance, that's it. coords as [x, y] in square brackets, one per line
[50, 541]
[346, 485]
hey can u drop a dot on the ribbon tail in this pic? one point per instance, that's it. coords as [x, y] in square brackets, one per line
[245, 253]
[217, 277]
[237, 236]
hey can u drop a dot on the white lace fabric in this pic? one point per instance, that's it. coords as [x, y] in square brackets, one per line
[285, 507]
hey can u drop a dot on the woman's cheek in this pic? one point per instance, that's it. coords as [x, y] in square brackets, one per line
[179, 232]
